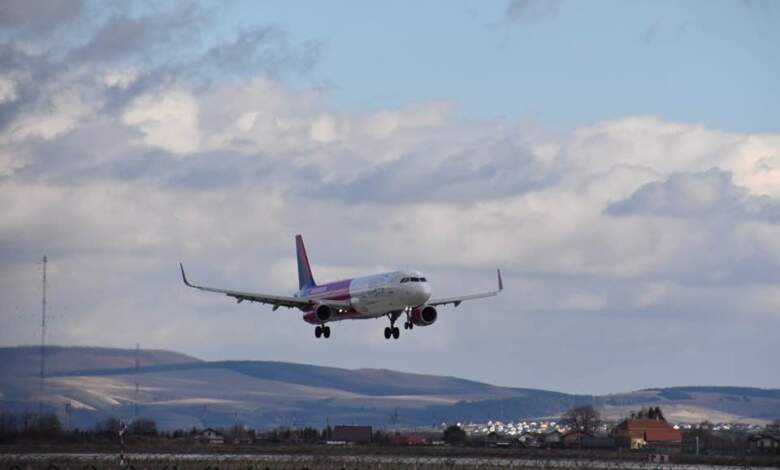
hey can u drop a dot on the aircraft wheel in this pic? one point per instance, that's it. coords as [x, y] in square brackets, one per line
[396, 333]
[411, 325]
[318, 331]
[388, 332]
[326, 331]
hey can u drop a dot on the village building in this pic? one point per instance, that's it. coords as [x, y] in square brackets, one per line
[210, 436]
[599, 442]
[574, 439]
[584, 440]
[552, 439]
[635, 433]
[530, 439]
[702, 441]
[764, 444]
[406, 440]
[353, 434]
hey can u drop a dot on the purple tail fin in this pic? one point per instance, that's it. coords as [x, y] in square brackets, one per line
[305, 278]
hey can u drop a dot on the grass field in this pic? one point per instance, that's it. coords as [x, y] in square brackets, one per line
[355, 458]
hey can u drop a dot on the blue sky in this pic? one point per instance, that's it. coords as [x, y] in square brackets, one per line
[565, 63]
[620, 161]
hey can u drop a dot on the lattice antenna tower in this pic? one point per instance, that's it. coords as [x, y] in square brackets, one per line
[137, 367]
[43, 341]
[394, 418]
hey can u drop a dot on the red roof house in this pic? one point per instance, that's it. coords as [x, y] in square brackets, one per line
[406, 440]
[638, 433]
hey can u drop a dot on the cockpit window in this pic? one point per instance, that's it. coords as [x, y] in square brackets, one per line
[422, 279]
[413, 279]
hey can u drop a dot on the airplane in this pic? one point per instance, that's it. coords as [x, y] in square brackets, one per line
[404, 292]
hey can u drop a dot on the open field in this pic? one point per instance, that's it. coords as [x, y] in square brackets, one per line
[321, 462]
[354, 457]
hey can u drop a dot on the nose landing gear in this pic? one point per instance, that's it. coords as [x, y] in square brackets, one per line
[408, 325]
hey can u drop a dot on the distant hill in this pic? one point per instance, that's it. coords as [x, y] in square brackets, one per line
[372, 382]
[25, 360]
[181, 391]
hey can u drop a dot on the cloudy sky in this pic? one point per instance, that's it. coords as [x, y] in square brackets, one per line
[619, 160]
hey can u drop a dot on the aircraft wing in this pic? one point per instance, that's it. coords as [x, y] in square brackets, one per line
[457, 300]
[275, 300]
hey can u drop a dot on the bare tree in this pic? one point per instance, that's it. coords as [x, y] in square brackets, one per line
[108, 426]
[581, 419]
[144, 427]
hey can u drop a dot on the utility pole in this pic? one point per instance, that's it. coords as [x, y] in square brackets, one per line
[43, 341]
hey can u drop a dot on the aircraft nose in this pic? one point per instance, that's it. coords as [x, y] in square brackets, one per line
[422, 292]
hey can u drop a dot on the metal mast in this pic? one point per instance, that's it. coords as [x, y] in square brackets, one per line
[43, 341]
[137, 366]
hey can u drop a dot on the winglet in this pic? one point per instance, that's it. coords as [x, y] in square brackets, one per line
[500, 282]
[184, 276]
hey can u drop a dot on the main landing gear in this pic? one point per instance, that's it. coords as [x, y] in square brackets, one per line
[392, 330]
[322, 331]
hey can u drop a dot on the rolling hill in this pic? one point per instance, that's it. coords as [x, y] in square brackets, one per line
[181, 391]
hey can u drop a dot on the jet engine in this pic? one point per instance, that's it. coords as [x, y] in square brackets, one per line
[323, 313]
[424, 316]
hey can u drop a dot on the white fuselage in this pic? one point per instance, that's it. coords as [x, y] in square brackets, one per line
[374, 296]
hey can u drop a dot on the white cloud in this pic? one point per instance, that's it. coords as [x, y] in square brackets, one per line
[382, 124]
[90, 174]
[168, 120]
[7, 89]
[326, 129]
[60, 114]
[120, 78]
[699, 194]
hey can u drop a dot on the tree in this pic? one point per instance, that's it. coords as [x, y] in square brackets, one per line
[380, 438]
[108, 426]
[308, 434]
[8, 424]
[49, 425]
[706, 424]
[581, 419]
[454, 435]
[144, 427]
